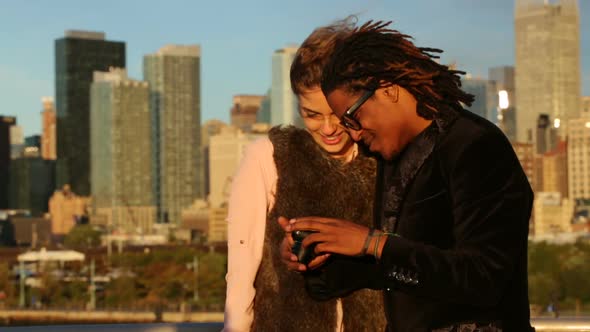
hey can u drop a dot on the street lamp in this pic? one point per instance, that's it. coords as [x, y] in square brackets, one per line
[195, 267]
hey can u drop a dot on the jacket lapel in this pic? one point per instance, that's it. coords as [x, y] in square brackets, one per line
[400, 173]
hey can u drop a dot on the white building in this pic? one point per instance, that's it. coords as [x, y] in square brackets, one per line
[283, 102]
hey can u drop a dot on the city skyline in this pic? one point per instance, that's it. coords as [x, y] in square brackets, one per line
[237, 46]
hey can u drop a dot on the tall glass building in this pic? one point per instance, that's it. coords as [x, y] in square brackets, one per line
[77, 56]
[174, 77]
[32, 182]
[283, 102]
[121, 174]
[486, 99]
[5, 123]
[547, 63]
[503, 77]
[263, 115]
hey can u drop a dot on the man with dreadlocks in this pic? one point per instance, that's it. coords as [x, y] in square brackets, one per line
[453, 201]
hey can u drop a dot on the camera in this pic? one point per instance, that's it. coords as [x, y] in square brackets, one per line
[304, 254]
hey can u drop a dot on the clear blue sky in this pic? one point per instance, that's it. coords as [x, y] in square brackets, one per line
[237, 39]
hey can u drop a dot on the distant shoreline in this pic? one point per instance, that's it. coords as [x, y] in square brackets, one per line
[61, 317]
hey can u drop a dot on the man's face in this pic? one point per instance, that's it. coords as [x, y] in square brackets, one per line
[384, 118]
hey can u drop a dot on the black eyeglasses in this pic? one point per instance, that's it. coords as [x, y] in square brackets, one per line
[348, 120]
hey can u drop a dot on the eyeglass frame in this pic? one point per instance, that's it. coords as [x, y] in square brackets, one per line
[348, 121]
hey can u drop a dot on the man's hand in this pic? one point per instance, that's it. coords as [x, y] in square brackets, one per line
[333, 235]
[290, 259]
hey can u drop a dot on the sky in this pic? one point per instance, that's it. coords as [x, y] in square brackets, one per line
[237, 39]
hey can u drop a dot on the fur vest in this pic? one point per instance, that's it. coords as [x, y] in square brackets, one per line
[311, 183]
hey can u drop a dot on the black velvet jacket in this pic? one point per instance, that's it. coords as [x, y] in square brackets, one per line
[460, 204]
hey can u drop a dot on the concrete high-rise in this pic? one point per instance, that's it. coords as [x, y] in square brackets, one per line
[225, 153]
[283, 102]
[210, 128]
[48, 134]
[525, 154]
[579, 158]
[553, 214]
[503, 77]
[66, 210]
[546, 134]
[547, 63]
[586, 106]
[17, 141]
[121, 149]
[174, 77]
[244, 111]
[555, 169]
[77, 55]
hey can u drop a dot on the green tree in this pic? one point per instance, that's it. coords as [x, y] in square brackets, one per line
[559, 273]
[211, 283]
[575, 271]
[121, 293]
[7, 287]
[164, 283]
[82, 236]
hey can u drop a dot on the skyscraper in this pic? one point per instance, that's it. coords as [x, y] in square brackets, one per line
[208, 129]
[503, 77]
[283, 102]
[66, 209]
[546, 135]
[174, 75]
[17, 141]
[5, 123]
[578, 154]
[33, 141]
[586, 106]
[263, 115]
[525, 154]
[486, 98]
[121, 148]
[48, 134]
[547, 63]
[77, 56]
[225, 153]
[32, 182]
[244, 111]
[555, 169]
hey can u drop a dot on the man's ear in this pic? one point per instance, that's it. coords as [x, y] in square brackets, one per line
[392, 93]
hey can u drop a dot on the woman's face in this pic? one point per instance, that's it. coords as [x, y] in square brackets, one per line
[323, 125]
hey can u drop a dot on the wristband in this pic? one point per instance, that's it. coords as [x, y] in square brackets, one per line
[367, 241]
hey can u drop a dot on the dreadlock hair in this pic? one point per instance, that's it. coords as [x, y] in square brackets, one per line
[314, 53]
[375, 56]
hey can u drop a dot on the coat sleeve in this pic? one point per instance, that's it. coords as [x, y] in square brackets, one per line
[491, 203]
[343, 275]
[250, 198]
